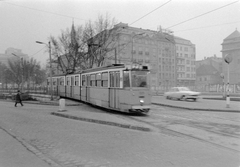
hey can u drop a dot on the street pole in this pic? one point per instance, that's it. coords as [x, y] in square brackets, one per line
[228, 60]
[228, 98]
[50, 64]
[50, 57]
[115, 49]
[22, 74]
[223, 84]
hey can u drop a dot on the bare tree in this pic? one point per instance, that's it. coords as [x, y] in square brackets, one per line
[16, 72]
[69, 49]
[22, 71]
[81, 48]
[100, 36]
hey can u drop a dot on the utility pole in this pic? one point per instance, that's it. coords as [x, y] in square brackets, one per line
[50, 64]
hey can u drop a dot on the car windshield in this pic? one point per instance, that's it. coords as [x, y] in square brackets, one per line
[184, 89]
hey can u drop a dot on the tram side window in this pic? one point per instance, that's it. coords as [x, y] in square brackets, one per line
[76, 80]
[83, 80]
[54, 81]
[62, 81]
[68, 80]
[117, 75]
[126, 81]
[88, 80]
[72, 81]
[112, 79]
[93, 80]
[99, 79]
[105, 79]
[115, 79]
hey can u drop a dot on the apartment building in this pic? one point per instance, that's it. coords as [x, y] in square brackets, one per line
[185, 57]
[155, 49]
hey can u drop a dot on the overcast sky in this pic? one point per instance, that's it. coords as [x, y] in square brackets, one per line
[25, 21]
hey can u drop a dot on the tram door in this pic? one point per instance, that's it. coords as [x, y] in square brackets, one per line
[72, 86]
[88, 89]
[114, 89]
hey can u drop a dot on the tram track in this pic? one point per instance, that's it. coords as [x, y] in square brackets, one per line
[168, 131]
[197, 113]
[155, 120]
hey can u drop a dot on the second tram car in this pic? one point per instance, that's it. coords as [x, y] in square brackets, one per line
[117, 87]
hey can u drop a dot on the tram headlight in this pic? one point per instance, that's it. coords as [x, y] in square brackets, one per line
[141, 101]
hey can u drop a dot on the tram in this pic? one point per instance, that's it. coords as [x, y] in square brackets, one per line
[117, 87]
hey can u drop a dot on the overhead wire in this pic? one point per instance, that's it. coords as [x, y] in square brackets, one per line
[44, 11]
[38, 51]
[207, 26]
[203, 14]
[150, 12]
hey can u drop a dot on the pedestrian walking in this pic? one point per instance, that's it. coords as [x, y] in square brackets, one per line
[18, 99]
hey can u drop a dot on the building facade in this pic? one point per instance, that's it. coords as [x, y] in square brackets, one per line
[231, 46]
[186, 57]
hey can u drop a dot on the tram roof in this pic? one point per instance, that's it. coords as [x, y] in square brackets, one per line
[113, 66]
[103, 68]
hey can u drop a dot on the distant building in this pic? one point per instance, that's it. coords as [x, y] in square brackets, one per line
[215, 61]
[231, 46]
[207, 75]
[208, 72]
[8, 55]
[186, 56]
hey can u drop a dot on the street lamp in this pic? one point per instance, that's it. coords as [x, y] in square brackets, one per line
[51, 84]
[223, 86]
[22, 68]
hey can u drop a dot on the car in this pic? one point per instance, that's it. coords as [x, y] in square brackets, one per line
[181, 93]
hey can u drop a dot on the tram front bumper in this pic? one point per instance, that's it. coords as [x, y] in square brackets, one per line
[140, 107]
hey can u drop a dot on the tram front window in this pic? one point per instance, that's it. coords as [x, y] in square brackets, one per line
[139, 78]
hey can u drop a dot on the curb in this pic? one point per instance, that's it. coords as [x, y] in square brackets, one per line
[41, 103]
[103, 122]
[200, 109]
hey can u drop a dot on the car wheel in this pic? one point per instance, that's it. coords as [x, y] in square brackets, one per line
[182, 98]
